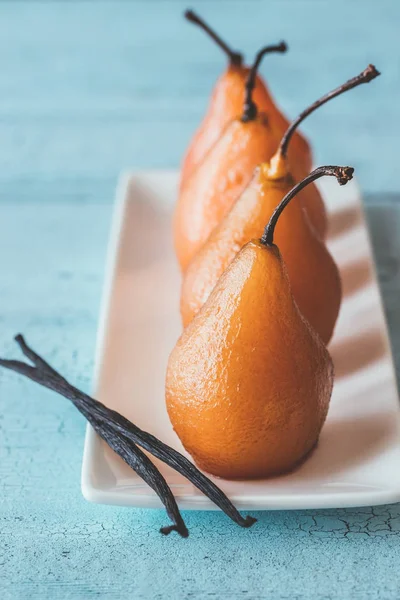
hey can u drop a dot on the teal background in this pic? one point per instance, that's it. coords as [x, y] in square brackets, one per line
[88, 89]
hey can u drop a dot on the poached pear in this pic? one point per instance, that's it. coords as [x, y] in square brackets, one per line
[224, 173]
[249, 381]
[226, 104]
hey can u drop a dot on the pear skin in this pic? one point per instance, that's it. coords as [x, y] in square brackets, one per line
[249, 382]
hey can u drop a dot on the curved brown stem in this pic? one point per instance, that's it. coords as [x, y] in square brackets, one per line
[250, 109]
[365, 77]
[342, 174]
[235, 58]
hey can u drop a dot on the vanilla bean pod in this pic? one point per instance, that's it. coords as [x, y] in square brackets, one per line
[142, 465]
[48, 377]
[45, 375]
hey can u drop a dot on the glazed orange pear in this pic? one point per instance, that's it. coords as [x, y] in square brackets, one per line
[226, 105]
[249, 381]
[313, 274]
[224, 173]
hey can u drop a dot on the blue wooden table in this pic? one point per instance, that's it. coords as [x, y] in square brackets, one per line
[88, 89]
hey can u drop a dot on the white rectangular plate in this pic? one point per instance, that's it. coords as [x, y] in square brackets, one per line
[357, 460]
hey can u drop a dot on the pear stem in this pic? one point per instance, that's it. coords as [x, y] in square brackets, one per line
[342, 174]
[365, 77]
[235, 58]
[250, 108]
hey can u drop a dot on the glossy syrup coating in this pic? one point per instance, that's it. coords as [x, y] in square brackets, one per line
[226, 104]
[249, 382]
[313, 274]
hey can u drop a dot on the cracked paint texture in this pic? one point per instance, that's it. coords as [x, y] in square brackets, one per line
[88, 88]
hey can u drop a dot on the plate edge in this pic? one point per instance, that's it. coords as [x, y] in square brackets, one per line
[113, 246]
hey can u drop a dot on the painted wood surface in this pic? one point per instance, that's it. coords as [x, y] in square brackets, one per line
[90, 88]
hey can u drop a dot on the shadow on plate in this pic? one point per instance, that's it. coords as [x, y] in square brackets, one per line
[146, 232]
[341, 222]
[346, 444]
[355, 275]
[357, 352]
